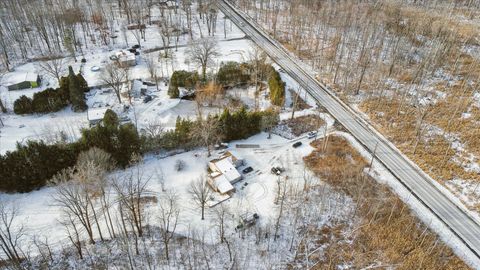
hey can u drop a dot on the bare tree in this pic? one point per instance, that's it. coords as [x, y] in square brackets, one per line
[11, 232]
[269, 121]
[207, 131]
[131, 189]
[55, 67]
[202, 52]
[221, 213]
[73, 199]
[99, 162]
[200, 193]
[151, 63]
[154, 129]
[169, 213]
[115, 76]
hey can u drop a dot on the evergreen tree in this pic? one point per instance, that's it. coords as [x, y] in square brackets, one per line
[76, 92]
[277, 88]
[182, 78]
[30, 166]
[121, 141]
[23, 105]
[63, 89]
[82, 83]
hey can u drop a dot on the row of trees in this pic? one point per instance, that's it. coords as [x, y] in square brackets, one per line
[208, 130]
[31, 165]
[71, 91]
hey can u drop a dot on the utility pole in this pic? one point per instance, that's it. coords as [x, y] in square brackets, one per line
[373, 157]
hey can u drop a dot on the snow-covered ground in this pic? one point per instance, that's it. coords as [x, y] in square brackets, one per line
[162, 109]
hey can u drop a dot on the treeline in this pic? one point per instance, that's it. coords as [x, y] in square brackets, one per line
[231, 126]
[71, 91]
[30, 166]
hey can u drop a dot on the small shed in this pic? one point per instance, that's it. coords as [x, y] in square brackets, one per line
[95, 115]
[19, 80]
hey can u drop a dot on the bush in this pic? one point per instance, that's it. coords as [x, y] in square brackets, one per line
[182, 78]
[23, 105]
[49, 100]
[233, 73]
[179, 165]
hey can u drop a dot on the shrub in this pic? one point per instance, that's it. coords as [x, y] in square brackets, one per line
[179, 165]
[23, 105]
[49, 100]
[182, 78]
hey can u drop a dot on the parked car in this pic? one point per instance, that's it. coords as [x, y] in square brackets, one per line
[147, 99]
[247, 170]
[297, 144]
[247, 221]
[277, 170]
[312, 134]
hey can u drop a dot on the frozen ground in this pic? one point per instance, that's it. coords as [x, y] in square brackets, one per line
[162, 109]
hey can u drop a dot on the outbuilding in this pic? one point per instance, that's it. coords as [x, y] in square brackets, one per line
[19, 80]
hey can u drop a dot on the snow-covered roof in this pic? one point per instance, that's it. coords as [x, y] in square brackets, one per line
[226, 167]
[124, 56]
[95, 114]
[17, 77]
[222, 184]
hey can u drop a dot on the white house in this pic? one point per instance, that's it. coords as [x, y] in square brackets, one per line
[126, 59]
[224, 173]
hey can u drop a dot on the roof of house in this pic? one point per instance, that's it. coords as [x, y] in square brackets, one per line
[222, 184]
[94, 114]
[226, 167]
[125, 56]
[17, 77]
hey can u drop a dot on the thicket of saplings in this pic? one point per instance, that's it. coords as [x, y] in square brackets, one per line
[71, 91]
[231, 74]
[384, 229]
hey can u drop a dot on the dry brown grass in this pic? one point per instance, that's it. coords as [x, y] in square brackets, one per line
[303, 124]
[387, 232]
[432, 153]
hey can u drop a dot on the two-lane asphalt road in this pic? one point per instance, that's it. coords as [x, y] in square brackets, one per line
[454, 215]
